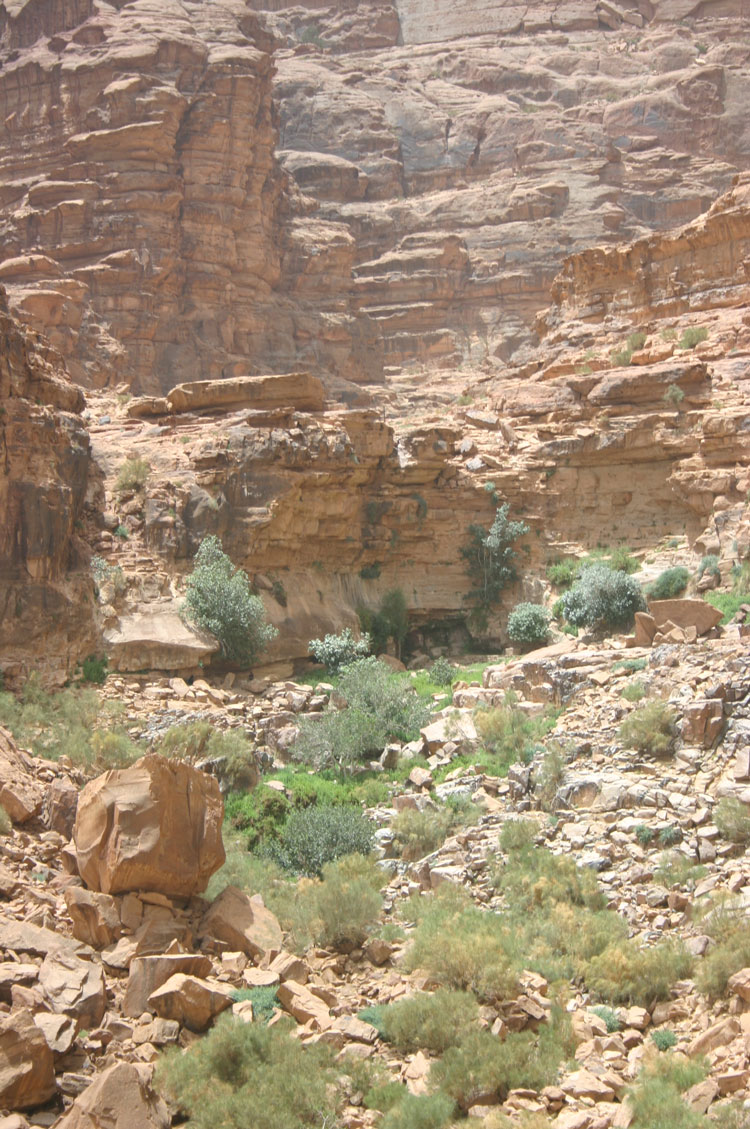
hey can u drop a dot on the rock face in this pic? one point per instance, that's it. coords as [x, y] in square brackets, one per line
[154, 826]
[27, 1076]
[155, 253]
[46, 613]
[120, 1098]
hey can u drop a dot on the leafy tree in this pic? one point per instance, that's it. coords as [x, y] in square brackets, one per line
[335, 651]
[490, 556]
[218, 599]
[602, 597]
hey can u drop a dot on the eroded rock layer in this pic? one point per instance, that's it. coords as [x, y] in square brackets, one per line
[46, 591]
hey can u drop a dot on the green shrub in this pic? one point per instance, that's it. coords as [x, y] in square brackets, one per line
[236, 757]
[390, 620]
[634, 691]
[218, 599]
[670, 836]
[693, 336]
[132, 475]
[548, 777]
[252, 874]
[341, 910]
[518, 835]
[626, 974]
[482, 1066]
[418, 833]
[562, 573]
[490, 556]
[656, 1100]
[664, 1039]
[650, 729]
[632, 666]
[246, 1074]
[462, 947]
[335, 651]
[122, 532]
[113, 749]
[314, 836]
[603, 597]
[728, 603]
[732, 818]
[644, 834]
[94, 669]
[727, 927]
[265, 1002]
[676, 870]
[709, 564]
[379, 709]
[429, 1022]
[442, 672]
[419, 1111]
[621, 560]
[668, 584]
[260, 813]
[528, 624]
[610, 1018]
[186, 741]
[506, 731]
[674, 396]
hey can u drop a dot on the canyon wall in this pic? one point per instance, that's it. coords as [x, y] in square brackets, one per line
[46, 480]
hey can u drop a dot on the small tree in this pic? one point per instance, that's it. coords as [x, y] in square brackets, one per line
[528, 624]
[335, 651]
[602, 597]
[490, 556]
[218, 599]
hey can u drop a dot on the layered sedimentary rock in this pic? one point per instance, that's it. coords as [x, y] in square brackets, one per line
[47, 601]
[403, 191]
[141, 211]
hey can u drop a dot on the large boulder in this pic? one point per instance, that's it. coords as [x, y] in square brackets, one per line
[154, 826]
[148, 973]
[243, 923]
[74, 988]
[27, 1073]
[685, 613]
[21, 794]
[120, 1098]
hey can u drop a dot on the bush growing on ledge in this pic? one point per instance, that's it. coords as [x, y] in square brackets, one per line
[528, 624]
[379, 708]
[668, 584]
[335, 651]
[490, 556]
[132, 475]
[603, 597]
[218, 599]
[314, 836]
[650, 729]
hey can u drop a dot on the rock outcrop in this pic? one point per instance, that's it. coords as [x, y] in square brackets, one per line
[154, 826]
[47, 616]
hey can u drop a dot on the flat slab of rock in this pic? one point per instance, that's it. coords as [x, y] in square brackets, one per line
[192, 1002]
[74, 987]
[153, 826]
[685, 614]
[298, 390]
[150, 972]
[157, 641]
[22, 937]
[120, 1098]
[94, 916]
[242, 923]
[27, 1073]
[20, 793]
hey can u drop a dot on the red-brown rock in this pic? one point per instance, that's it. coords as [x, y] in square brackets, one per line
[154, 826]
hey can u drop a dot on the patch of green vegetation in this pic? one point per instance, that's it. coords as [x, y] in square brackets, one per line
[650, 729]
[634, 691]
[693, 336]
[668, 584]
[132, 475]
[728, 603]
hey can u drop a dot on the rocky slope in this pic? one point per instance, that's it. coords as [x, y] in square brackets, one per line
[99, 978]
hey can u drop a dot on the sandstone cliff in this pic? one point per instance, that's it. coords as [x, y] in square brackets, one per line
[47, 603]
